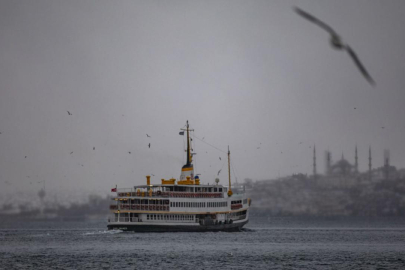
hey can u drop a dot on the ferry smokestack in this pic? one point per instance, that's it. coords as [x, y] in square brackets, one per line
[148, 180]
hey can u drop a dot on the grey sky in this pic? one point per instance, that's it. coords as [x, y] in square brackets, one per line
[242, 72]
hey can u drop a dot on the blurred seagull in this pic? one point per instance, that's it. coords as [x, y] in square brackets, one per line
[69, 113]
[337, 42]
[149, 145]
[220, 158]
[94, 148]
[219, 171]
[71, 152]
[129, 152]
[147, 135]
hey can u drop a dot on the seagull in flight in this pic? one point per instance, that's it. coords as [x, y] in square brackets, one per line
[219, 171]
[149, 145]
[69, 113]
[148, 136]
[337, 42]
[220, 158]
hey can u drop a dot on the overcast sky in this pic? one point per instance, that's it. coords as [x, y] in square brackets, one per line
[246, 74]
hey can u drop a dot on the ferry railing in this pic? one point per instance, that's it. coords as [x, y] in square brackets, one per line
[141, 207]
[167, 194]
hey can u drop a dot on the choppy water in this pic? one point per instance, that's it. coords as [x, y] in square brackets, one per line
[274, 243]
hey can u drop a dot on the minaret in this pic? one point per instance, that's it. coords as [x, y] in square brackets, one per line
[314, 163]
[356, 162]
[369, 163]
[328, 162]
[386, 164]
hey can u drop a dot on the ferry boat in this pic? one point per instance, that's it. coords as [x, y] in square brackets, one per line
[183, 205]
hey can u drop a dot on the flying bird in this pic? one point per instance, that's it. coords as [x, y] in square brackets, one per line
[337, 43]
[220, 158]
[94, 148]
[129, 152]
[149, 145]
[69, 113]
[148, 136]
[71, 152]
[219, 171]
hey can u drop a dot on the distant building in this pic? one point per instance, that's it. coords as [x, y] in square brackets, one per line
[342, 167]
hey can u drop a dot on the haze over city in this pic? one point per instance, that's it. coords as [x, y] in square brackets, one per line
[82, 83]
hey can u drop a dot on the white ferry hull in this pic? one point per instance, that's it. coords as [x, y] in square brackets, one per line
[144, 227]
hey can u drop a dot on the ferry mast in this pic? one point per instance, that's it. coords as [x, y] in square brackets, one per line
[229, 172]
[187, 170]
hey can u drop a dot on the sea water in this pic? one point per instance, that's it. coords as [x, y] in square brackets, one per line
[265, 243]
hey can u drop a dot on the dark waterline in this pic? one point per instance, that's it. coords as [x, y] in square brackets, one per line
[276, 243]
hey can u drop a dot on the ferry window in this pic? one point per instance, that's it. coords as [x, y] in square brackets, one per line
[220, 189]
[215, 189]
[147, 217]
[154, 217]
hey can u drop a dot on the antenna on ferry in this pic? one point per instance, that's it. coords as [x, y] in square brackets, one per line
[229, 172]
